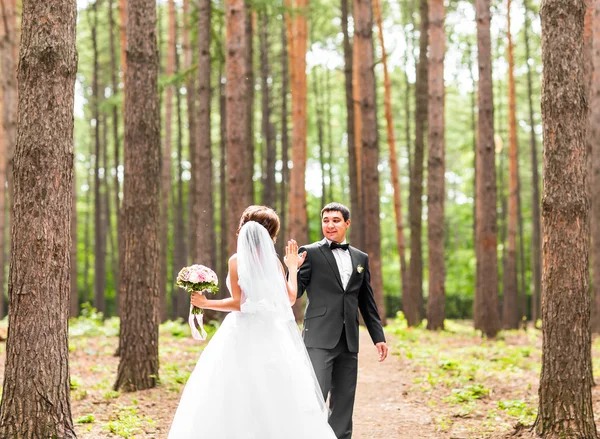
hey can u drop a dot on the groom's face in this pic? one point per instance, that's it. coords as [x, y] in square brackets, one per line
[334, 227]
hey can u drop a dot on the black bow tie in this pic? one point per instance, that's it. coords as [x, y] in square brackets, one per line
[335, 245]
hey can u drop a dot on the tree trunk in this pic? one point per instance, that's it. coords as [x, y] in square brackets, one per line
[358, 213]
[202, 168]
[107, 229]
[2, 197]
[166, 170]
[413, 299]
[565, 407]
[400, 242]
[269, 193]
[237, 116]
[510, 314]
[535, 205]
[9, 44]
[363, 42]
[86, 233]
[138, 366]
[436, 193]
[594, 125]
[74, 295]
[329, 136]
[355, 230]
[123, 41]
[9, 50]
[190, 94]
[35, 396]
[116, 142]
[99, 236]
[285, 170]
[248, 169]
[181, 253]
[320, 140]
[486, 296]
[298, 227]
[224, 221]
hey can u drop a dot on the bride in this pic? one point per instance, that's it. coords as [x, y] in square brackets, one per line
[254, 380]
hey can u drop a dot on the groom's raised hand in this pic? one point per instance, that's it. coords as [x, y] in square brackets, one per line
[382, 349]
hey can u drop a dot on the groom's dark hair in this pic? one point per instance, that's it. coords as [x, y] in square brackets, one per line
[337, 207]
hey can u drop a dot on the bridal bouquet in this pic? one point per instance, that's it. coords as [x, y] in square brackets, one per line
[200, 279]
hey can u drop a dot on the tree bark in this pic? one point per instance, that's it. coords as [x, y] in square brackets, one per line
[203, 209]
[35, 397]
[9, 46]
[358, 211]
[413, 299]
[190, 94]
[248, 169]
[237, 116]
[179, 297]
[99, 236]
[74, 295]
[9, 50]
[355, 230]
[298, 220]
[285, 170]
[510, 314]
[400, 241]
[166, 169]
[594, 125]
[536, 266]
[224, 221]
[138, 366]
[565, 398]
[123, 41]
[2, 197]
[486, 296]
[329, 135]
[436, 193]
[116, 142]
[320, 139]
[363, 42]
[269, 193]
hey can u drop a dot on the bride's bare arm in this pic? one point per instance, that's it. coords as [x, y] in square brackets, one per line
[231, 303]
[293, 262]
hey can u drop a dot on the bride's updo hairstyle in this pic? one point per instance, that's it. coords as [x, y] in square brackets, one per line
[263, 215]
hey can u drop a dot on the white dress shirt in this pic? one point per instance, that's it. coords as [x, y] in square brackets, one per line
[344, 263]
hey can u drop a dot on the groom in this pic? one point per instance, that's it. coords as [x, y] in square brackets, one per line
[336, 279]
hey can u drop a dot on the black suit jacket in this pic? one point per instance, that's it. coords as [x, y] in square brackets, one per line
[331, 307]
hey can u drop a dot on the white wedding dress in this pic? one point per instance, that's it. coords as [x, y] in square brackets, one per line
[254, 380]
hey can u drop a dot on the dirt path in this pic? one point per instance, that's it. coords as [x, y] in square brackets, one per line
[382, 410]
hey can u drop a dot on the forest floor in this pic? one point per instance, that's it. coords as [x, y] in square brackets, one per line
[448, 385]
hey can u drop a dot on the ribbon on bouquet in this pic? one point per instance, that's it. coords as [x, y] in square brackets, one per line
[196, 325]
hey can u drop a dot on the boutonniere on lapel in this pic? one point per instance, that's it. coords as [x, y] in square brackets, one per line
[359, 268]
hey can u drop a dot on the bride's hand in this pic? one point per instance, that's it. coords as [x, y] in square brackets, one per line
[292, 259]
[199, 300]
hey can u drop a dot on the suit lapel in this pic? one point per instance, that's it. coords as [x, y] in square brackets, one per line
[354, 255]
[331, 260]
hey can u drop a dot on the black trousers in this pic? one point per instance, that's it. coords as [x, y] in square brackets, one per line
[336, 370]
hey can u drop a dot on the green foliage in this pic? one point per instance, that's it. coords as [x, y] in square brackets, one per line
[75, 382]
[468, 394]
[519, 409]
[86, 419]
[126, 422]
[176, 328]
[90, 323]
